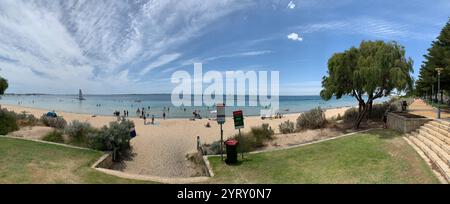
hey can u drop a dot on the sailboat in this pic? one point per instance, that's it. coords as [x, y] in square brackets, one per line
[80, 96]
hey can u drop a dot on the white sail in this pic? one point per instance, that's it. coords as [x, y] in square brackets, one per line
[80, 96]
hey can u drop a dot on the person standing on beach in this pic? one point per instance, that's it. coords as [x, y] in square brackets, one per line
[153, 119]
[145, 120]
[164, 115]
[127, 113]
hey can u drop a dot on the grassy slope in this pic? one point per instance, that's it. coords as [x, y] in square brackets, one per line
[32, 162]
[379, 156]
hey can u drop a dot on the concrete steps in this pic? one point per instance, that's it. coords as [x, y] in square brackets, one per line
[433, 139]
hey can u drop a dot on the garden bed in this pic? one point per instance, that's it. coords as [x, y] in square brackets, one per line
[405, 122]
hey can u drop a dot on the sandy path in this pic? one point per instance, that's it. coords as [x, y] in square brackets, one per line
[160, 150]
[419, 107]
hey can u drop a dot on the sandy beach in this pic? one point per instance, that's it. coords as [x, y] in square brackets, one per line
[160, 150]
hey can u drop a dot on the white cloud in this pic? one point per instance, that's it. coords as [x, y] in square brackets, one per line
[96, 44]
[239, 54]
[162, 60]
[294, 37]
[291, 5]
[378, 28]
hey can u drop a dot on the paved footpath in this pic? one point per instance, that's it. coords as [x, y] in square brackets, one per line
[419, 107]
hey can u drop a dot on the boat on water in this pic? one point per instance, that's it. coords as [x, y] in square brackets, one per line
[80, 96]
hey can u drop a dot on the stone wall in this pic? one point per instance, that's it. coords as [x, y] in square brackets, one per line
[404, 124]
[105, 162]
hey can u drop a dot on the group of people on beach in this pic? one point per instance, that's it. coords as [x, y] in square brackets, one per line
[125, 113]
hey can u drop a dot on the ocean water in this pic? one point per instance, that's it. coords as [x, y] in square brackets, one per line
[156, 104]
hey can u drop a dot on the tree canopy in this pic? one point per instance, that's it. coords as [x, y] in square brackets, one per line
[438, 57]
[3, 85]
[374, 70]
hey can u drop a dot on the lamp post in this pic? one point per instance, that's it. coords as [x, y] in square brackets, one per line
[439, 71]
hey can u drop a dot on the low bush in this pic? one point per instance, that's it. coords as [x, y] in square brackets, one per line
[55, 122]
[8, 122]
[287, 127]
[24, 119]
[254, 139]
[313, 119]
[54, 136]
[78, 132]
[248, 142]
[116, 137]
[351, 115]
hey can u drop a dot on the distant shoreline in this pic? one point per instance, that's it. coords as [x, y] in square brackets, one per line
[2, 105]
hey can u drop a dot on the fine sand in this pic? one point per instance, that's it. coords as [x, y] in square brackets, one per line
[160, 150]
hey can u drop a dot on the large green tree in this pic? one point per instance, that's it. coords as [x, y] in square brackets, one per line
[438, 57]
[371, 71]
[3, 85]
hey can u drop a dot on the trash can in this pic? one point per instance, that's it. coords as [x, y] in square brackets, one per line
[232, 154]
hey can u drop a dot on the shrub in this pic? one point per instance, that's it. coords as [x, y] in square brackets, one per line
[8, 122]
[351, 115]
[247, 141]
[339, 117]
[116, 137]
[56, 122]
[54, 136]
[24, 119]
[313, 119]
[255, 138]
[96, 141]
[212, 149]
[378, 111]
[78, 131]
[261, 134]
[287, 127]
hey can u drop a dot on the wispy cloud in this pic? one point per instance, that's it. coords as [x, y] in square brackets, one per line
[97, 44]
[240, 54]
[366, 26]
[162, 60]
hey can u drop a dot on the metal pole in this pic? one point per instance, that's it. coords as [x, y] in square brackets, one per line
[439, 86]
[432, 93]
[221, 142]
[242, 140]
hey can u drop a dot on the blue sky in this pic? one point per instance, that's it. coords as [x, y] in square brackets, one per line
[110, 47]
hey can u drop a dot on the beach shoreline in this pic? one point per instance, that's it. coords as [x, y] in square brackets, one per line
[161, 149]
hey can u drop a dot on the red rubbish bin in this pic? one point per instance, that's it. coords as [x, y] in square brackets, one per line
[232, 154]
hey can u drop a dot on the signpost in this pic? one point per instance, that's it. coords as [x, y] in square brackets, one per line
[221, 120]
[238, 118]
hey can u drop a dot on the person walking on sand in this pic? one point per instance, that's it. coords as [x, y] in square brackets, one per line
[153, 119]
[145, 120]
[164, 115]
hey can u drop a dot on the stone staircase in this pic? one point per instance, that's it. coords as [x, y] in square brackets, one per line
[433, 141]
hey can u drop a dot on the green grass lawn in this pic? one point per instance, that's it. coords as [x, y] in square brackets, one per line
[31, 162]
[379, 156]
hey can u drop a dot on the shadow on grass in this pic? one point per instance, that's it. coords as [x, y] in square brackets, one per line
[239, 162]
[385, 133]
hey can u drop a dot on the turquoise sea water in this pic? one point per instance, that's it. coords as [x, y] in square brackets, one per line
[155, 104]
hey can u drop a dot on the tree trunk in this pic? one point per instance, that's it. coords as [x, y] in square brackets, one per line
[361, 117]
